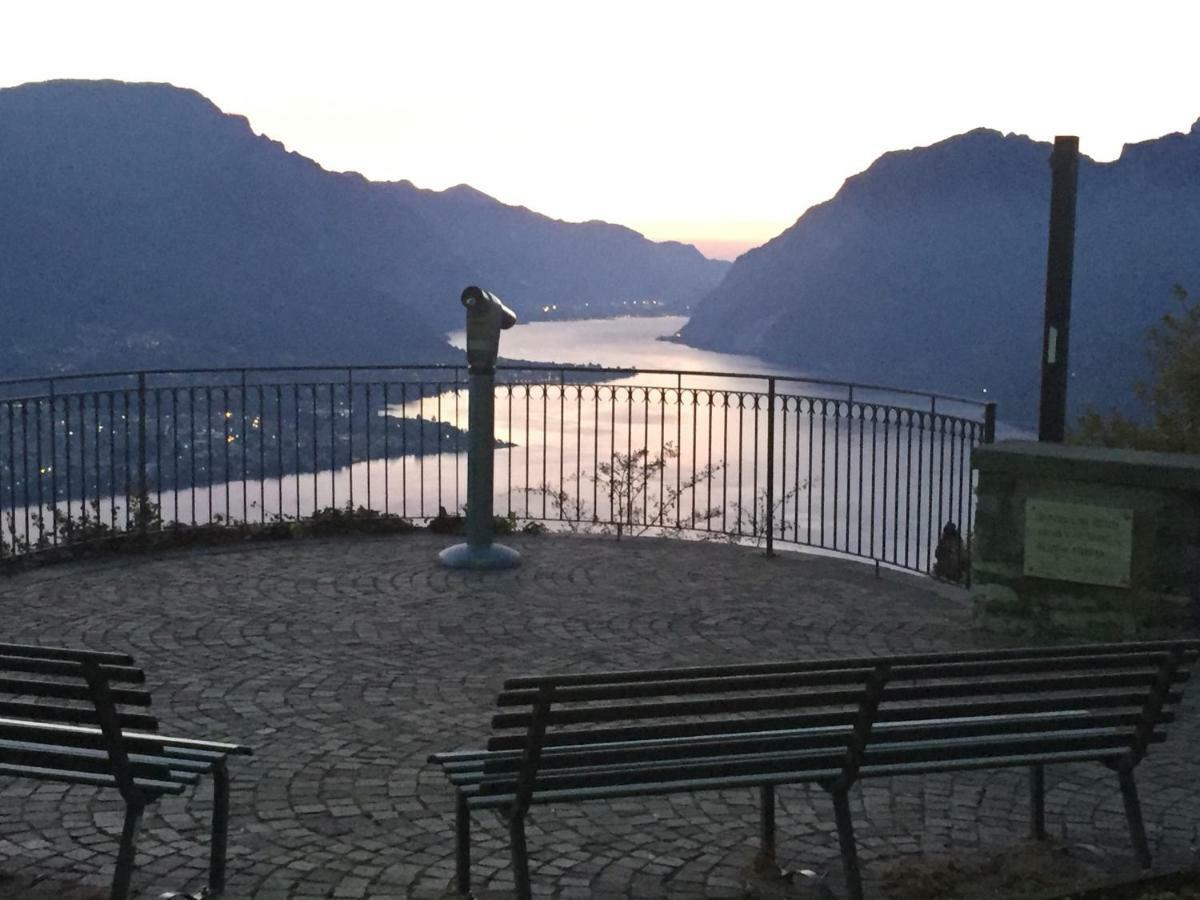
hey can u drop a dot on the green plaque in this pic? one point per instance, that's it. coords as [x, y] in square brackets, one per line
[1074, 542]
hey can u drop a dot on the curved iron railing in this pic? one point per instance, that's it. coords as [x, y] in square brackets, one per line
[860, 470]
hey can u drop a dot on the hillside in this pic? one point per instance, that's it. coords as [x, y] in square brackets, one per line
[520, 253]
[928, 271]
[142, 226]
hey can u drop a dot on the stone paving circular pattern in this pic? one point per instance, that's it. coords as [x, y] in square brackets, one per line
[344, 662]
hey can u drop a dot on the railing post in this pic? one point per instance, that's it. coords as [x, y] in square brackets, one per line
[54, 464]
[770, 467]
[350, 435]
[143, 495]
[989, 423]
[245, 440]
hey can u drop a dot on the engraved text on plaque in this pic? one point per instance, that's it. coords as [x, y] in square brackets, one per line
[1074, 542]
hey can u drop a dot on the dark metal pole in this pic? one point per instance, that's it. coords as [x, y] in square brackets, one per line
[770, 511]
[143, 488]
[1064, 165]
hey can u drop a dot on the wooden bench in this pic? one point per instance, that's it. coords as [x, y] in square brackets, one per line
[567, 738]
[68, 716]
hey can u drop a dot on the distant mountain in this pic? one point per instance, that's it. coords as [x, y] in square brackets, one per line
[141, 226]
[570, 268]
[928, 271]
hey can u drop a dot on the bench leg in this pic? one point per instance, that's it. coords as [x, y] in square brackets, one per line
[1037, 802]
[520, 857]
[220, 829]
[1133, 812]
[124, 871]
[766, 822]
[462, 844]
[845, 828]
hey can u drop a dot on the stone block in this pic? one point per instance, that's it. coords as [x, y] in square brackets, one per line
[1161, 490]
[1000, 600]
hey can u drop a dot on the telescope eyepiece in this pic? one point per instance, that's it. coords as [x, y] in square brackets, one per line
[474, 296]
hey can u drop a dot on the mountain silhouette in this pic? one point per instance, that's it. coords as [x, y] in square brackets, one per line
[142, 226]
[544, 262]
[928, 270]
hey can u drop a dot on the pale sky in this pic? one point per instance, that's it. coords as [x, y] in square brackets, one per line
[716, 123]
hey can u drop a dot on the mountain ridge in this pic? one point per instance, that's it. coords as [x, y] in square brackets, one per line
[142, 226]
[927, 270]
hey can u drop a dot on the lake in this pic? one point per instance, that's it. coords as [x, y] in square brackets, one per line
[680, 441]
[854, 470]
[625, 342]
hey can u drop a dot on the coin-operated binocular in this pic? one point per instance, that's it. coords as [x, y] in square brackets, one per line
[486, 318]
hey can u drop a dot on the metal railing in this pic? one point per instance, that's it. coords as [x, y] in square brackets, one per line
[865, 471]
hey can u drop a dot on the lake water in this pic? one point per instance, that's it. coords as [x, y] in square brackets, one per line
[616, 343]
[852, 470]
[715, 444]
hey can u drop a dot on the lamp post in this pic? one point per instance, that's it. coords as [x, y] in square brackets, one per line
[486, 318]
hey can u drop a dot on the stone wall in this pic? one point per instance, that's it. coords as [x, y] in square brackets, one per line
[1130, 525]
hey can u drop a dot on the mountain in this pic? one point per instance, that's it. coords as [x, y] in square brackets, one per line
[928, 270]
[142, 226]
[520, 253]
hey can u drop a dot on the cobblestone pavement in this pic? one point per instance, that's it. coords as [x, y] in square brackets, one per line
[344, 662]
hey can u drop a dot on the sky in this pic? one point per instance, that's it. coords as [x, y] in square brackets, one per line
[715, 123]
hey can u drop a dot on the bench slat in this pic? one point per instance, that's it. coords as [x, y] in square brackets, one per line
[499, 801]
[802, 720]
[153, 786]
[81, 736]
[749, 764]
[680, 708]
[893, 693]
[203, 749]
[60, 735]
[60, 690]
[1190, 647]
[76, 715]
[621, 690]
[36, 652]
[16, 752]
[760, 742]
[68, 667]
[678, 687]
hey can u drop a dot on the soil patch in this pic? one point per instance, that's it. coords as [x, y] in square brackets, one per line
[1030, 870]
[44, 887]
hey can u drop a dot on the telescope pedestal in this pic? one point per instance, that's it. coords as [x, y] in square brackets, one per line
[478, 552]
[486, 556]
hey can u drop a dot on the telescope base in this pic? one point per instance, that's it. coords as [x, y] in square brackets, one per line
[479, 557]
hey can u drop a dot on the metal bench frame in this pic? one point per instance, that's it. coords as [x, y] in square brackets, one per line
[104, 745]
[1109, 703]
